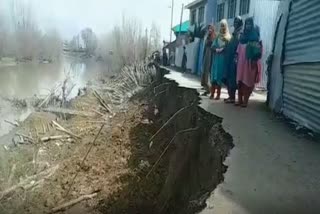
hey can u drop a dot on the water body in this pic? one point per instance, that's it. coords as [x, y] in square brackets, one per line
[26, 80]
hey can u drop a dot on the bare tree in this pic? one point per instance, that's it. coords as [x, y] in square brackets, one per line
[155, 37]
[90, 40]
[129, 43]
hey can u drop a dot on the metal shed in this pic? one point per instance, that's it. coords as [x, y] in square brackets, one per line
[301, 89]
[295, 75]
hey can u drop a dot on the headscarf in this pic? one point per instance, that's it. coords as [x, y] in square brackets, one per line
[224, 30]
[252, 34]
[211, 36]
[238, 24]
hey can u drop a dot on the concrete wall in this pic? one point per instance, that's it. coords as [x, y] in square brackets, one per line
[192, 55]
[210, 11]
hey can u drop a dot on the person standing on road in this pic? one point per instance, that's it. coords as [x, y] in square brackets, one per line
[207, 59]
[218, 48]
[164, 57]
[184, 60]
[249, 61]
[230, 74]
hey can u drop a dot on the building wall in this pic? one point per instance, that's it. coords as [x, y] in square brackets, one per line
[192, 50]
[196, 8]
[210, 11]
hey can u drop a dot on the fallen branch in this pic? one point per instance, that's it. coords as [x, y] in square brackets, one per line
[60, 128]
[168, 122]
[98, 112]
[13, 170]
[28, 138]
[73, 202]
[167, 147]
[85, 157]
[102, 102]
[12, 123]
[25, 183]
[58, 137]
[65, 111]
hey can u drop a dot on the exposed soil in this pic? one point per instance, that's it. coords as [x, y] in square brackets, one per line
[173, 173]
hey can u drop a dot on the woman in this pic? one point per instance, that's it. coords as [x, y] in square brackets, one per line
[184, 60]
[230, 75]
[218, 48]
[249, 61]
[207, 58]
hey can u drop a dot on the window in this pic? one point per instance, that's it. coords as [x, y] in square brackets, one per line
[232, 8]
[220, 12]
[201, 15]
[244, 7]
[193, 17]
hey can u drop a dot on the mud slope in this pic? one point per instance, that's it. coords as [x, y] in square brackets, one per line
[176, 169]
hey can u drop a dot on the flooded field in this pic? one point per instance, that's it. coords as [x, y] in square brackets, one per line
[27, 80]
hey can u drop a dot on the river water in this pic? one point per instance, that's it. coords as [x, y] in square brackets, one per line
[26, 80]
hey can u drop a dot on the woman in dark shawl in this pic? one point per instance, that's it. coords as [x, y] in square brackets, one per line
[207, 59]
[230, 76]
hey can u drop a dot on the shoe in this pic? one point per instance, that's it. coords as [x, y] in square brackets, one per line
[205, 93]
[230, 101]
[213, 91]
[244, 106]
[218, 93]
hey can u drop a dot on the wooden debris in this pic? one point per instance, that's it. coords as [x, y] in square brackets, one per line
[73, 202]
[13, 170]
[25, 137]
[102, 102]
[12, 123]
[98, 112]
[58, 137]
[85, 157]
[25, 183]
[65, 111]
[60, 128]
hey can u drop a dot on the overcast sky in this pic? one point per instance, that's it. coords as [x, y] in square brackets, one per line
[70, 16]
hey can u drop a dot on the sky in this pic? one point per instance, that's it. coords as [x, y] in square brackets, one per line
[70, 16]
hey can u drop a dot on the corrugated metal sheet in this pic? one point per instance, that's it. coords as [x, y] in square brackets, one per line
[303, 35]
[265, 13]
[301, 94]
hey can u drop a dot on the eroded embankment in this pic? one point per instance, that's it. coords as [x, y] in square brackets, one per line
[177, 154]
[157, 153]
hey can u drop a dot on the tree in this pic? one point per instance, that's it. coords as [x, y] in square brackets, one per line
[155, 38]
[90, 41]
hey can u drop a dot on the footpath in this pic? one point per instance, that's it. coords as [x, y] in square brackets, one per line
[271, 169]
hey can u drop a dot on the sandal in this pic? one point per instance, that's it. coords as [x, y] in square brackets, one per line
[230, 101]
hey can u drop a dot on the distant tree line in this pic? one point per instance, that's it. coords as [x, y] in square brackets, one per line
[21, 38]
[86, 41]
[128, 43]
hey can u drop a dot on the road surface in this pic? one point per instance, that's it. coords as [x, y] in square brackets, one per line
[271, 168]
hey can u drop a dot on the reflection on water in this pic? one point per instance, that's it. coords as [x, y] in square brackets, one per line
[26, 80]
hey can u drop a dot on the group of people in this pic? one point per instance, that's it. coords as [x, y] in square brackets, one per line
[233, 60]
